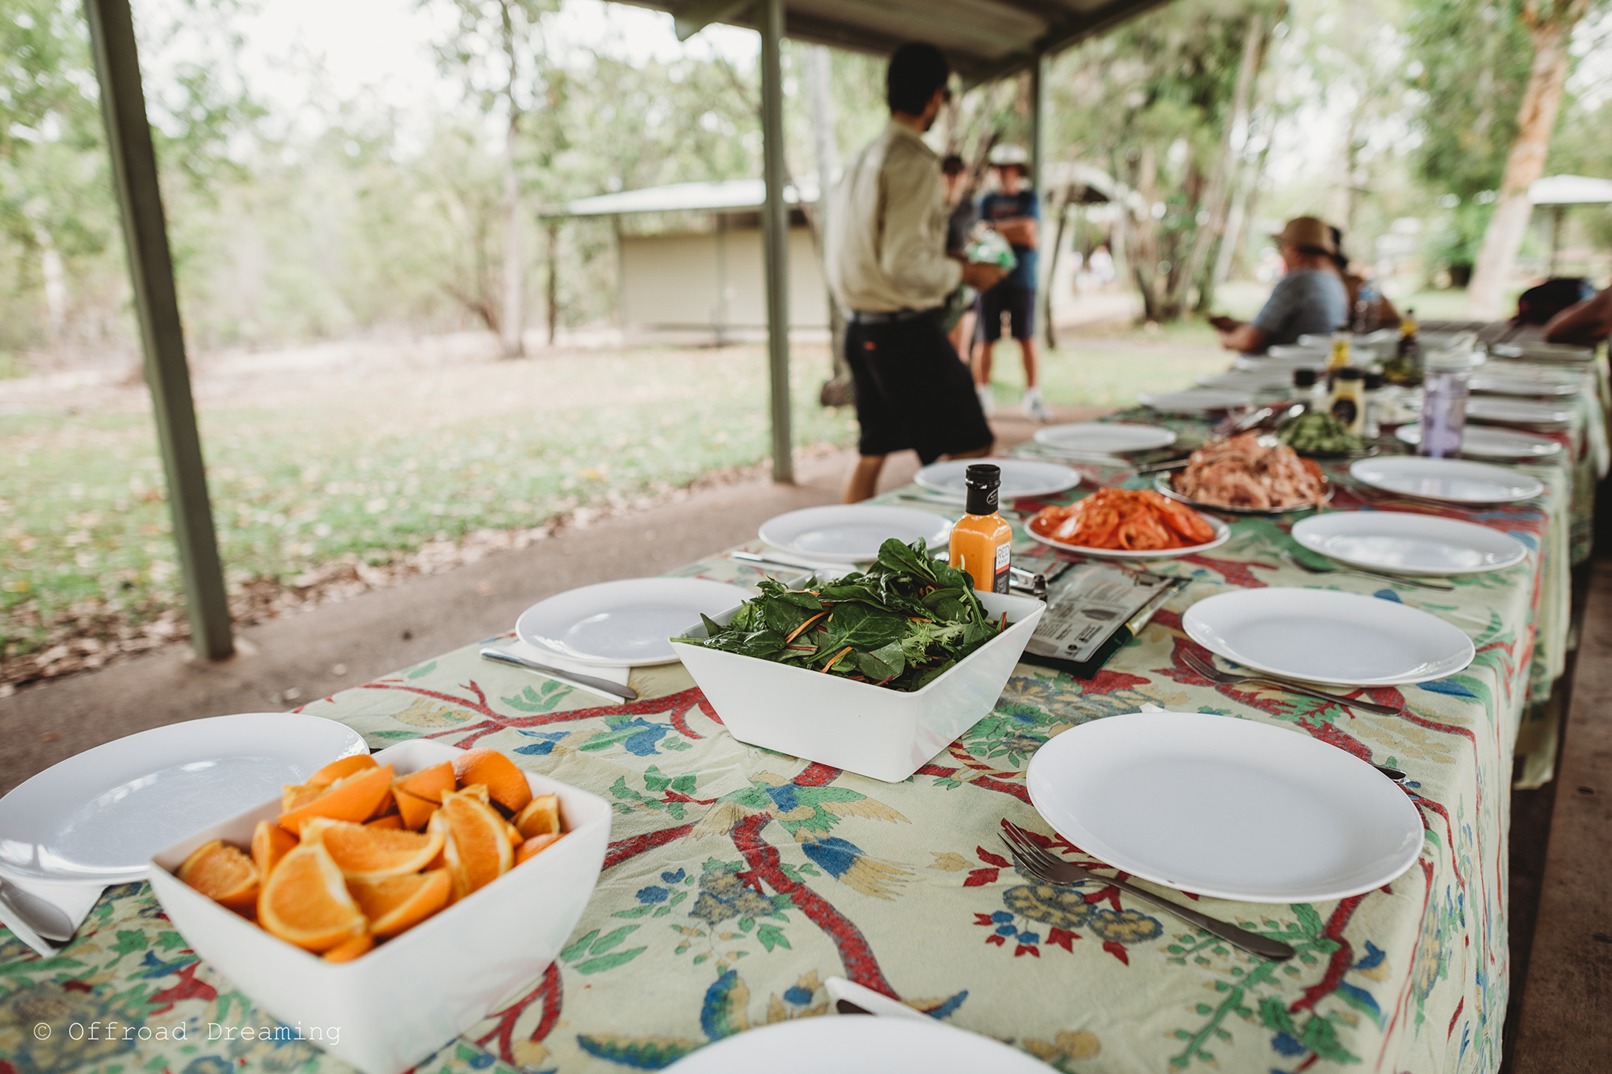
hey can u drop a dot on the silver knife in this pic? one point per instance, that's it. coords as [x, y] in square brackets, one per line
[615, 689]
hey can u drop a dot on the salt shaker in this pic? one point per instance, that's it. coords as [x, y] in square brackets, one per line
[1444, 392]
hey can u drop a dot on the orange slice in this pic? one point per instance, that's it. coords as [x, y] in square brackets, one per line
[430, 783]
[414, 810]
[350, 948]
[391, 821]
[305, 901]
[223, 873]
[396, 903]
[505, 783]
[540, 817]
[477, 850]
[364, 852]
[341, 768]
[270, 843]
[534, 846]
[295, 795]
[353, 798]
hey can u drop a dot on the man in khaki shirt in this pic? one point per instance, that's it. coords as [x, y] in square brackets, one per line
[886, 262]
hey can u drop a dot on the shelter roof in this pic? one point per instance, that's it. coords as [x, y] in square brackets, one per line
[1570, 190]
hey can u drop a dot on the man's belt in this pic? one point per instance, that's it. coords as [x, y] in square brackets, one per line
[890, 317]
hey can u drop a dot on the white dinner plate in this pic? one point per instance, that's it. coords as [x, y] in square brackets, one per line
[1249, 380]
[1110, 437]
[1409, 543]
[1368, 339]
[1446, 480]
[1487, 442]
[852, 533]
[100, 815]
[1287, 352]
[1165, 483]
[1222, 533]
[1531, 387]
[624, 623]
[1020, 477]
[1542, 352]
[857, 1045]
[1500, 410]
[1323, 636]
[1195, 401]
[1225, 807]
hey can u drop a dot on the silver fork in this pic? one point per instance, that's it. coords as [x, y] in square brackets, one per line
[1209, 671]
[1396, 579]
[1036, 863]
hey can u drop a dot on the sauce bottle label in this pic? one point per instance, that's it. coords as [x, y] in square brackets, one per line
[999, 583]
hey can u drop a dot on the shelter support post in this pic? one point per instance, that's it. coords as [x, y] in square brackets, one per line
[1039, 70]
[1556, 215]
[775, 234]
[145, 237]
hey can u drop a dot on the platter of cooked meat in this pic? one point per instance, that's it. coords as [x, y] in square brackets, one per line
[1251, 473]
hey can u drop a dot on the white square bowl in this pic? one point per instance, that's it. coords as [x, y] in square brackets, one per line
[397, 1004]
[863, 728]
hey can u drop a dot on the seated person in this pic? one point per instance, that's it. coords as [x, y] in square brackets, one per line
[1309, 298]
[1378, 312]
[1587, 324]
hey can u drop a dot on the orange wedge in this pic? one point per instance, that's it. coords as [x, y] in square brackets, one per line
[534, 846]
[414, 811]
[341, 768]
[505, 783]
[430, 783]
[305, 901]
[477, 850]
[364, 852]
[540, 817]
[223, 873]
[350, 948]
[295, 795]
[270, 843]
[391, 821]
[396, 903]
[353, 798]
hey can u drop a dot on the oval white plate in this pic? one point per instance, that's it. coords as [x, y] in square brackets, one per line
[1542, 352]
[1222, 533]
[1105, 436]
[1533, 387]
[1446, 480]
[627, 623]
[1020, 477]
[1501, 410]
[852, 533]
[1225, 807]
[1165, 484]
[1484, 442]
[1409, 543]
[1322, 636]
[1195, 401]
[1284, 352]
[100, 815]
[857, 1045]
[1248, 380]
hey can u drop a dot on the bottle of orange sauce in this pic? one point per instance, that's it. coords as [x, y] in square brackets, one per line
[982, 541]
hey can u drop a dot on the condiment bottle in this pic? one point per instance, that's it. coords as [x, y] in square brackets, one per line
[1409, 347]
[1340, 349]
[982, 541]
[1349, 398]
[1371, 426]
[1444, 392]
[1309, 390]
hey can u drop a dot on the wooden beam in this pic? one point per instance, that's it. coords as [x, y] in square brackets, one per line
[775, 234]
[703, 13]
[145, 240]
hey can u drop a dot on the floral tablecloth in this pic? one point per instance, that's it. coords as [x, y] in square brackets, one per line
[738, 879]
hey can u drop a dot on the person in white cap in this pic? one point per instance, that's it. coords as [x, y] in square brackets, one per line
[1309, 299]
[1014, 212]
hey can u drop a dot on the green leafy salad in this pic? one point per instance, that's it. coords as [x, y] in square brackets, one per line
[1319, 433]
[904, 621]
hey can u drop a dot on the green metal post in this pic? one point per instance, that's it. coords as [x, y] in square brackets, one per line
[775, 234]
[1038, 122]
[145, 239]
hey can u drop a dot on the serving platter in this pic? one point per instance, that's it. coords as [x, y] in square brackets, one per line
[1222, 534]
[1165, 483]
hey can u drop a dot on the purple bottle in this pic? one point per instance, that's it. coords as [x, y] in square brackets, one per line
[1444, 392]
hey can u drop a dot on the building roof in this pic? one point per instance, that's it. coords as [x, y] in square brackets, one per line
[984, 39]
[1570, 190]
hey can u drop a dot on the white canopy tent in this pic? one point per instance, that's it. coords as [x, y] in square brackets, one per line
[1559, 192]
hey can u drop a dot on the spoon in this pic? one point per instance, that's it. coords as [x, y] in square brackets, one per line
[44, 917]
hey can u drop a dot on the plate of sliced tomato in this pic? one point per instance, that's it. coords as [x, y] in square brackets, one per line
[1128, 524]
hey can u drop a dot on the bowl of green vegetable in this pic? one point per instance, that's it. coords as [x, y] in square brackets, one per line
[874, 672]
[1320, 435]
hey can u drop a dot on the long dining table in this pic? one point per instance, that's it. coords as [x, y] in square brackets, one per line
[738, 879]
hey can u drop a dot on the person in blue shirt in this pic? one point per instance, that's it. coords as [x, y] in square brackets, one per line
[1014, 212]
[1309, 299]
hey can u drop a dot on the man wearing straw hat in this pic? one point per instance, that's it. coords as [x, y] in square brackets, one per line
[1309, 298]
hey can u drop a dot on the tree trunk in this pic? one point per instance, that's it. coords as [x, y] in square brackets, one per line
[514, 317]
[1536, 118]
[1141, 234]
[1059, 205]
[553, 311]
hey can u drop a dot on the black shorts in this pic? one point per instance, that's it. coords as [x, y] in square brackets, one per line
[912, 391]
[1018, 303]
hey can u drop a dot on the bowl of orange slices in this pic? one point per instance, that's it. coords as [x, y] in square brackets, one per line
[391, 901]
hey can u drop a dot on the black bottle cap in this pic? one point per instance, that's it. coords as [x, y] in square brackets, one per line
[1349, 372]
[1303, 378]
[1374, 380]
[984, 482]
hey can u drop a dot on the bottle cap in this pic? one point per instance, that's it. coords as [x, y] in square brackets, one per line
[1374, 380]
[1303, 378]
[983, 481]
[1350, 372]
